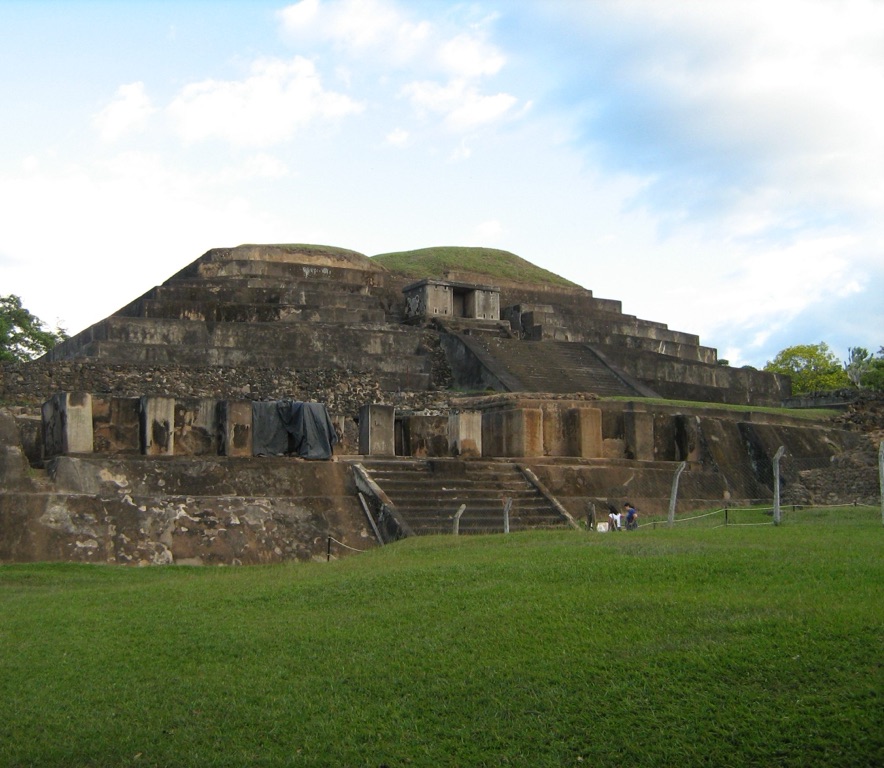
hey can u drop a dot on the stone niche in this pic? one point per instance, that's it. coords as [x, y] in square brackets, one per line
[67, 424]
[377, 430]
[425, 436]
[465, 433]
[429, 298]
[531, 427]
[78, 422]
[116, 424]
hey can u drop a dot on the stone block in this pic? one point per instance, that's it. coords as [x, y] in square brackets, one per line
[377, 430]
[67, 424]
[570, 430]
[584, 433]
[235, 427]
[639, 429]
[425, 436]
[13, 463]
[482, 304]
[116, 424]
[687, 438]
[512, 432]
[158, 426]
[196, 427]
[555, 438]
[465, 433]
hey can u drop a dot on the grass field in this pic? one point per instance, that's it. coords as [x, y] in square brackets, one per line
[757, 646]
[809, 414]
[434, 262]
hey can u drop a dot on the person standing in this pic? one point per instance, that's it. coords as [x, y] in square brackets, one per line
[631, 517]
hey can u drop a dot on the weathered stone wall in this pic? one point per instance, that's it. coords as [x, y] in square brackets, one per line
[687, 380]
[342, 391]
[852, 477]
[186, 511]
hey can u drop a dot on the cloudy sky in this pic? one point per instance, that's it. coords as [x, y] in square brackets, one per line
[715, 165]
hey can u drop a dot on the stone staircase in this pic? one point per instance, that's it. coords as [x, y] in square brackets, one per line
[557, 366]
[428, 493]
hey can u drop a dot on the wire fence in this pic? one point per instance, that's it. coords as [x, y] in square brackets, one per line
[746, 517]
[772, 486]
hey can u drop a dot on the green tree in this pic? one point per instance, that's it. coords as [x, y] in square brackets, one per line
[873, 376]
[813, 368]
[22, 335]
[859, 360]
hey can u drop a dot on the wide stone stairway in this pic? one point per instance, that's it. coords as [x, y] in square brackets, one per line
[556, 366]
[428, 493]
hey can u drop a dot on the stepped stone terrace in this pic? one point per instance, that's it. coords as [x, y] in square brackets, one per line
[143, 450]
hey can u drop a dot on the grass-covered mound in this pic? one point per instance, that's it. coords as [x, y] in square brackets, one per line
[496, 264]
[320, 255]
[735, 646]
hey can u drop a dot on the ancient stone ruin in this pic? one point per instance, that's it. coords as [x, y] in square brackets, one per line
[154, 436]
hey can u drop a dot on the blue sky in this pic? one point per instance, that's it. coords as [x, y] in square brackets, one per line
[717, 166]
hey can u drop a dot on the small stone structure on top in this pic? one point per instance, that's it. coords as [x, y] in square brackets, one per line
[447, 299]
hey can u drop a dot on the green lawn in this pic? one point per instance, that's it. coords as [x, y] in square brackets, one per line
[434, 262]
[756, 646]
[810, 414]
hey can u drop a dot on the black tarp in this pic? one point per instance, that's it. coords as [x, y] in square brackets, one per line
[292, 427]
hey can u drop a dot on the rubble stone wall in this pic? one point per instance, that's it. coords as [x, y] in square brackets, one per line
[342, 391]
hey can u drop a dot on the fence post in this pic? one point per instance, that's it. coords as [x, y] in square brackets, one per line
[674, 494]
[881, 477]
[776, 483]
[507, 506]
[457, 519]
[590, 516]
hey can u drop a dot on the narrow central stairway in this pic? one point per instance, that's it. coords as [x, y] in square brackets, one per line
[428, 493]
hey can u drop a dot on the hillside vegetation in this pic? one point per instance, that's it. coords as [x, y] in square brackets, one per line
[735, 646]
[434, 262]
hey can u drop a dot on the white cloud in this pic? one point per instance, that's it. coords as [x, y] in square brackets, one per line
[299, 14]
[265, 108]
[461, 152]
[447, 59]
[476, 109]
[129, 111]
[469, 56]
[259, 166]
[130, 223]
[398, 137]
[755, 94]
[357, 26]
[461, 104]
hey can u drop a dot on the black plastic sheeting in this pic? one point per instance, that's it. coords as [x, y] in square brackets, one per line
[292, 428]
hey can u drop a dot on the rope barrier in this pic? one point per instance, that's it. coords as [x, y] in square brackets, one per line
[681, 519]
[346, 546]
[794, 509]
[697, 517]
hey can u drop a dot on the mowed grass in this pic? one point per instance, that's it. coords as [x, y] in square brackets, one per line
[755, 646]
